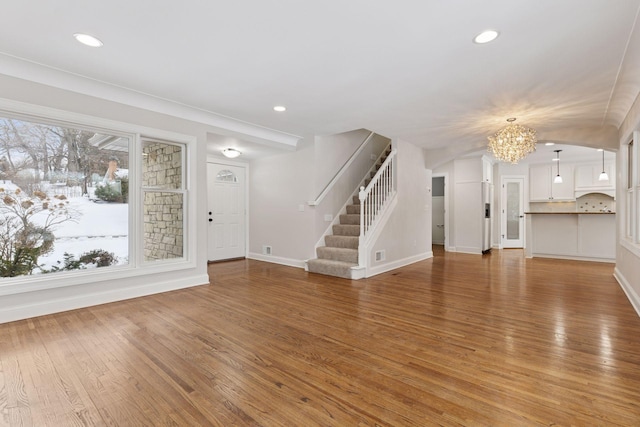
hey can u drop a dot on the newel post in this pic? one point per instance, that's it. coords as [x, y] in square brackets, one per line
[361, 247]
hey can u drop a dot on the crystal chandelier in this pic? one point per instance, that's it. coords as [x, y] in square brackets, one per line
[512, 143]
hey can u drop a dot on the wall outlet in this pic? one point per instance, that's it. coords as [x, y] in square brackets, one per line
[373, 157]
[301, 208]
[328, 217]
[380, 255]
[266, 250]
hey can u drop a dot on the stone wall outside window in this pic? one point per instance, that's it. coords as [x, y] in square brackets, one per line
[162, 208]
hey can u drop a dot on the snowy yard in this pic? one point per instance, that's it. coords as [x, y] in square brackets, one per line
[101, 226]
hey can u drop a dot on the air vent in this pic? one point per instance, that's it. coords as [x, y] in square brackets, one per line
[266, 250]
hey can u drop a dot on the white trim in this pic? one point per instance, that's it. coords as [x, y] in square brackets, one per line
[39, 73]
[102, 297]
[572, 257]
[277, 260]
[633, 297]
[373, 271]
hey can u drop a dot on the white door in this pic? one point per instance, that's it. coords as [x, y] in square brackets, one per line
[437, 211]
[226, 211]
[512, 212]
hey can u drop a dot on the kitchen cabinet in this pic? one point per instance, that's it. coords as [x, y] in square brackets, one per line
[587, 179]
[543, 189]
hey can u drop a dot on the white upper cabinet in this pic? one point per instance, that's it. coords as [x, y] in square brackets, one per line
[587, 178]
[543, 189]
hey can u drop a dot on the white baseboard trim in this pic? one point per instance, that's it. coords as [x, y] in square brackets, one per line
[41, 308]
[372, 271]
[573, 257]
[299, 263]
[634, 298]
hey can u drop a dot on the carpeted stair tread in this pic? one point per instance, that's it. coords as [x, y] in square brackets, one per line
[331, 267]
[342, 241]
[338, 254]
[353, 209]
[350, 219]
[346, 230]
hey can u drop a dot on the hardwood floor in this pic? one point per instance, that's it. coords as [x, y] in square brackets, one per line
[494, 340]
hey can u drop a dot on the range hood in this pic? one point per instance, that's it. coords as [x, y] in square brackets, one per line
[606, 191]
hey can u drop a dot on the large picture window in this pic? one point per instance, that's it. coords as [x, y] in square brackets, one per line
[64, 201]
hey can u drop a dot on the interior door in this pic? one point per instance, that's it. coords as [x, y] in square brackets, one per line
[512, 212]
[437, 211]
[227, 214]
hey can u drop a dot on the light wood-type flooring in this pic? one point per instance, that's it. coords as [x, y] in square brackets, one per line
[456, 340]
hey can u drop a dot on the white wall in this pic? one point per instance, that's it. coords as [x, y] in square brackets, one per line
[69, 291]
[331, 154]
[279, 186]
[406, 237]
[627, 270]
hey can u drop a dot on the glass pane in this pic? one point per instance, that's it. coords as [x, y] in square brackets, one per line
[163, 227]
[226, 176]
[161, 165]
[63, 198]
[513, 211]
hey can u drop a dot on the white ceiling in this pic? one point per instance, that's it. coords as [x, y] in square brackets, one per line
[404, 69]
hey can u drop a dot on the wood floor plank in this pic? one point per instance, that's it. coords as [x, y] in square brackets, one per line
[457, 340]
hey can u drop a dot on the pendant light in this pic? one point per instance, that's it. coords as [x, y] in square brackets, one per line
[603, 175]
[558, 178]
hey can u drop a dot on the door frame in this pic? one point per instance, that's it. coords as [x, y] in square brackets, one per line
[447, 211]
[503, 207]
[226, 162]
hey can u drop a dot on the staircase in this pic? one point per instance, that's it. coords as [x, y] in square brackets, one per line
[339, 256]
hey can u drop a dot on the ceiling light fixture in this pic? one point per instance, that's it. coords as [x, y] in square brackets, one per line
[486, 37]
[280, 108]
[603, 175]
[549, 143]
[512, 143]
[558, 178]
[231, 153]
[88, 40]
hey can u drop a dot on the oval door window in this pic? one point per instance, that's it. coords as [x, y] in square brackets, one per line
[226, 176]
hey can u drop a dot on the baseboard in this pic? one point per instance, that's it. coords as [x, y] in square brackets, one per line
[468, 250]
[372, 271]
[573, 258]
[10, 314]
[299, 263]
[633, 297]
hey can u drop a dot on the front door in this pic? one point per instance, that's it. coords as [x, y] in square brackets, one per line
[512, 212]
[226, 214]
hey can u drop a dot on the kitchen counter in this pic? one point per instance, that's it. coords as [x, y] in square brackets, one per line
[570, 213]
[589, 236]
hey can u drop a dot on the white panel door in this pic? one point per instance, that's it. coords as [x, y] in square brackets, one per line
[226, 216]
[512, 213]
[437, 220]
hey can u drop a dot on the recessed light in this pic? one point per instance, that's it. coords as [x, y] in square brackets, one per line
[549, 143]
[486, 36]
[600, 149]
[279, 108]
[88, 40]
[231, 153]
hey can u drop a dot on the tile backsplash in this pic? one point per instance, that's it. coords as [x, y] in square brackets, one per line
[592, 202]
[595, 202]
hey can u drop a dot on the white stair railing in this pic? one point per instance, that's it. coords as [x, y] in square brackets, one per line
[373, 201]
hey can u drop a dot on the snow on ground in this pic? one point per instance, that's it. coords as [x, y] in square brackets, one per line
[101, 226]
